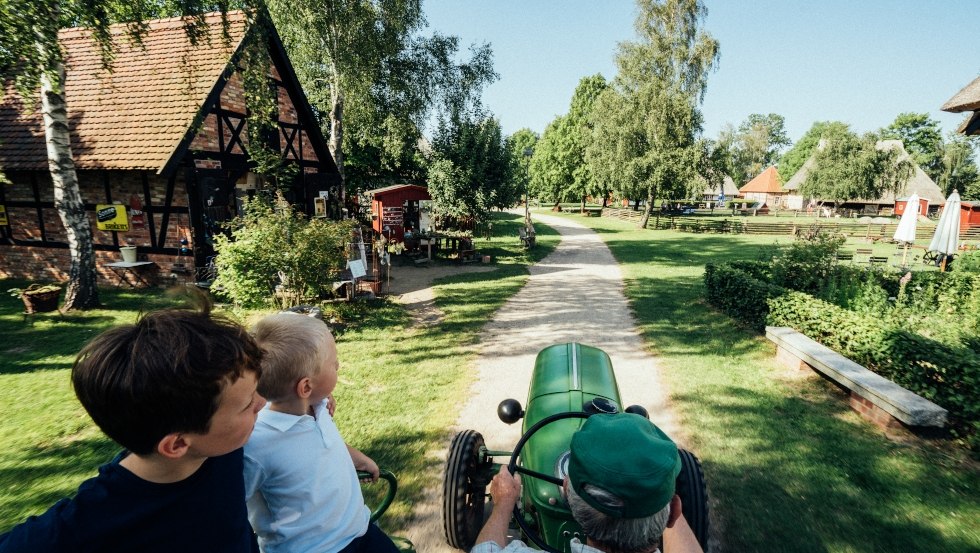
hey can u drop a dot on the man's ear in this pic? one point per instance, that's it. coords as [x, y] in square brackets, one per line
[173, 446]
[304, 387]
[675, 510]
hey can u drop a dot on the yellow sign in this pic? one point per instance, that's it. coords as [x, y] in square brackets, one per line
[111, 217]
[3, 216]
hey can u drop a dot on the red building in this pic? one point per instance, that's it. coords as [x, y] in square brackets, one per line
[923, 206]
[969, 215]
[396, 208]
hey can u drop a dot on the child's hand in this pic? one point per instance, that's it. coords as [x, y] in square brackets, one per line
[331, 404]
[368, 465]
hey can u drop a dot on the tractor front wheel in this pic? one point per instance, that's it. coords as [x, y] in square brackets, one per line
[464, 490]
[694, 496]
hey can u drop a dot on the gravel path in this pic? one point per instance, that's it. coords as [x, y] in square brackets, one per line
[574, 295]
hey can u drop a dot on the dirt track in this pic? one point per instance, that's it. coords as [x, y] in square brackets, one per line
[574, 295]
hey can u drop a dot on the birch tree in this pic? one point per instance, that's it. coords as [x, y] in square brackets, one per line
[647, 122]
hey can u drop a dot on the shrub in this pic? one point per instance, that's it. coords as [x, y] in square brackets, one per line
[807, 264]
[739, 294]
[276, 256]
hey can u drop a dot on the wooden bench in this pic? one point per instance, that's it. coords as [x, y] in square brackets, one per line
[845, 256]
[874, 397]
[878, 260]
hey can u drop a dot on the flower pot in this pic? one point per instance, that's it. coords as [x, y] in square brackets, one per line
[128, 254]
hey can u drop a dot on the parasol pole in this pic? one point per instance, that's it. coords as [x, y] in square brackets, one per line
[905, 255]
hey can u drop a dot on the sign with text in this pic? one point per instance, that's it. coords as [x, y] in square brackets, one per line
[392, 216]
[207, 163]
[111, 217]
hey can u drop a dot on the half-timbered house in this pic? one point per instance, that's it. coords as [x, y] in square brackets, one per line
[164, 135]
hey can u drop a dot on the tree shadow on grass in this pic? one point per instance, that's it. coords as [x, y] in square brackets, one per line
[35, 478]
[808, 480]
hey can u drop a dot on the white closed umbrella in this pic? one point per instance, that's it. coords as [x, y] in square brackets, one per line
[906, 226]
[947, 234]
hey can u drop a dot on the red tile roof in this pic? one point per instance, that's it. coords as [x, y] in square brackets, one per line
[135, 116]
[766, 181]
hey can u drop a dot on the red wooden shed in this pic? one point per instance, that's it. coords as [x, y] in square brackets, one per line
[969, 215]
[923, 206]
[395, 208]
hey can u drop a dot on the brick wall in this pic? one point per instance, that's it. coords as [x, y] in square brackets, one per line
[52, 263]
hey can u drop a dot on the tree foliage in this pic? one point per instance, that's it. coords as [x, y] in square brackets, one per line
[472, 169]
[758, 142]
[795, 157]
[849, 167]
[647, 121]
[959, 168]
[520, 147]
[922, 138]
[370, 73]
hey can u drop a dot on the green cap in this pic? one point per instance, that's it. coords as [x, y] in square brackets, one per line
[629, 457]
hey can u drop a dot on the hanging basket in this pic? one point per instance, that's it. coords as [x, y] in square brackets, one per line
[38, 301]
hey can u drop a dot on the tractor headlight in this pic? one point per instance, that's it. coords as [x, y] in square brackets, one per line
[561, 465]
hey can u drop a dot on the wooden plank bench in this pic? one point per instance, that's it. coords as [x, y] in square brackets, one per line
[873, 396]
[878, 260]
[845, 256]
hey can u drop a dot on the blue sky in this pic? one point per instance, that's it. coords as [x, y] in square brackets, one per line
[859, 61]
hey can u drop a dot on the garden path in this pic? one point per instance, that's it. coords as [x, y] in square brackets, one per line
[575, 294]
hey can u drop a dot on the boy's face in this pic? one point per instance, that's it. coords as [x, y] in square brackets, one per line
[326, 380]
[233, 421]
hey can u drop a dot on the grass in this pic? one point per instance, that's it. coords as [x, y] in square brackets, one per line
[790, 467]
[398, 391]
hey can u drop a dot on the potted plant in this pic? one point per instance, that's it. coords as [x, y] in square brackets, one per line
[38, 298]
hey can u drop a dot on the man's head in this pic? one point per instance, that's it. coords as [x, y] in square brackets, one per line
[169, 374]
[299, 357]
[621, 476]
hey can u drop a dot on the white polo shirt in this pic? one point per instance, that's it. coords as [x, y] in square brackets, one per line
[300, 484]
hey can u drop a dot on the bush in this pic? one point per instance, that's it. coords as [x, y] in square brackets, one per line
[277, 257]
[739, 294]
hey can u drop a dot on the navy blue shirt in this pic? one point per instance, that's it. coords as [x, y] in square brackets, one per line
[118, 511]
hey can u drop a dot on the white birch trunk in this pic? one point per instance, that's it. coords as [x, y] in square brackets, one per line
[82, 292]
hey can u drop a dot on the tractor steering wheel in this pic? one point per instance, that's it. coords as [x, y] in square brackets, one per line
[513, 467]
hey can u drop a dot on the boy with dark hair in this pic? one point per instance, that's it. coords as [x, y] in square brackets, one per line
[300, 478]
[178, 391]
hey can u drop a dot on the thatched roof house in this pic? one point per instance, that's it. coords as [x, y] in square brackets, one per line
[967, 99]
[727, 188]
[919, 183]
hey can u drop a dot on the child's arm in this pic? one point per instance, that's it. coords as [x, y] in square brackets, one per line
[363, 462]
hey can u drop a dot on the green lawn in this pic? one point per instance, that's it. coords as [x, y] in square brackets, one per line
[789, 466]
[398, 391]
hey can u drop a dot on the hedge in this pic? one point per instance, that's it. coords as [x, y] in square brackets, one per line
[739, 294]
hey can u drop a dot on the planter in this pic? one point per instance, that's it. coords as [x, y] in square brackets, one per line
[40, 302]
[128, 254]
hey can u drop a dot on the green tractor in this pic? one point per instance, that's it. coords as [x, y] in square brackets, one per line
[570, 382]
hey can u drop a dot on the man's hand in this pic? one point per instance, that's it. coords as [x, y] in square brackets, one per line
[505, 488]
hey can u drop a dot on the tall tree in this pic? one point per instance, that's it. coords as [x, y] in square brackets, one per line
[579, 126]
[647, 122]
[758, 142]
[364, 64]
[795, 157]
[849, 167]
[922, 138]
[32, 58]
[471, 172]
[552, 165]
[959, 168]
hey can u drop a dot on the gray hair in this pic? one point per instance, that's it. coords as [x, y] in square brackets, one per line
[619, 534]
